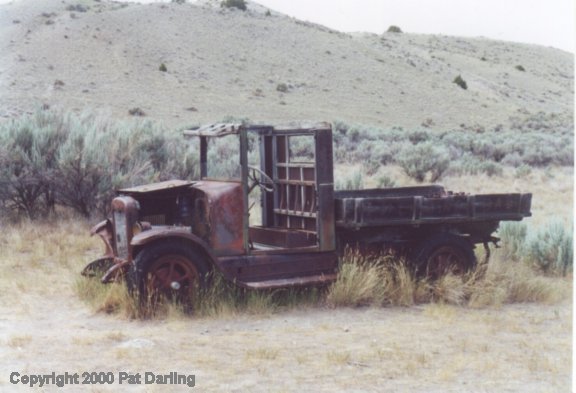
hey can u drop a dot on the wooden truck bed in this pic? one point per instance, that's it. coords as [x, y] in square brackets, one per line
[425, 205]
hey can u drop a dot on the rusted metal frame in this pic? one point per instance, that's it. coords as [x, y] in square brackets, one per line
[267, 160]
[325, 221]
[203, 157]
[243, 140]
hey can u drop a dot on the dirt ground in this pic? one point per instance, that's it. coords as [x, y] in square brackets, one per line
[429, 348]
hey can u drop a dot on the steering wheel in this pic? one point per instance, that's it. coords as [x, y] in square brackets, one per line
[266, 185]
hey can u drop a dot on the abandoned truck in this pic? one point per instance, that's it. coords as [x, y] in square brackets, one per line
[280, 223]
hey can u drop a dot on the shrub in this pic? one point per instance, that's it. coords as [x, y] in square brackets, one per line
[50, 158]
[77, 8]
[385, 182]
[513, 236]
[418, 161]
[523, 171]
[163, 68]
[394, 29]
[136, 112]
[28, 148]
[520, 68]
[282, 87]
[460, 82]
[352, 181]
[551, 249]
[240, 4]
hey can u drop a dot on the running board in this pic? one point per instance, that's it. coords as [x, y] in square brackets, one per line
[291, 282]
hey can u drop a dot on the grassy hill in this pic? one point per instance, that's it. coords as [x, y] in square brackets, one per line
[265, 66]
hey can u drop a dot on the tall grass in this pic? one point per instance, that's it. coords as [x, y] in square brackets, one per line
[363, 280]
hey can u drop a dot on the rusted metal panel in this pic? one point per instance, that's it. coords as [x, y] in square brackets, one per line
[218, 216]
[170, 232]
[319, 279]
[282, 238]
[278, 265]
[161, 186]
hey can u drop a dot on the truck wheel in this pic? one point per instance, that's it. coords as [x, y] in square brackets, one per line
[169, 270]
[442, 254]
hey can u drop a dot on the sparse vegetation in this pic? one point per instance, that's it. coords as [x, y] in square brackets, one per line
[239, 4]
[520, 68]
[77, 8]
[33, 154]
[163, 68]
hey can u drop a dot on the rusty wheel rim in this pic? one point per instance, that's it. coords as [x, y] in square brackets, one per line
[173, 277]
[446, 260]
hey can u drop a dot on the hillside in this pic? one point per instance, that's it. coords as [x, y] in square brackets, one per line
[267, 67]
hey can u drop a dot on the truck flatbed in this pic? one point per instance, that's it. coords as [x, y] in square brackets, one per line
[425, 205]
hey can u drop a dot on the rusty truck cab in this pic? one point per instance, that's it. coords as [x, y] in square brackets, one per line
[293, 242]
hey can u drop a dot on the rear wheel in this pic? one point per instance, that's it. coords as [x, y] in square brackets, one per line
[442, 254]
[171, 271]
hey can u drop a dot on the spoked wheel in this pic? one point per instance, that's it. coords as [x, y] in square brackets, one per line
[442, 254]
[170, 271]
[171, 275]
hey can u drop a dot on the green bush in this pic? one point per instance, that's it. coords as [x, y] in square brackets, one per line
[28, 164]
[419, 161]
[282, 87]
[460, 82]
[513, 237]
[551, 248]
[394, 29]
[351, 181]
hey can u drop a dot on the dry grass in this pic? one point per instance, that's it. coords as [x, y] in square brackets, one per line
[362, 281]
[382, 281]
[33, 254]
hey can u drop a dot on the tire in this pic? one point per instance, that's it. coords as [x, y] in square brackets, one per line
[169, 270]
[441, 254]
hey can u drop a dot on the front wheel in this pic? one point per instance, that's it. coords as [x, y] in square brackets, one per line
[442, 254]
[169, 270]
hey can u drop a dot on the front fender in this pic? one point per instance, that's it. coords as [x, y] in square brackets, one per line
[105, 230]
[162, 233]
